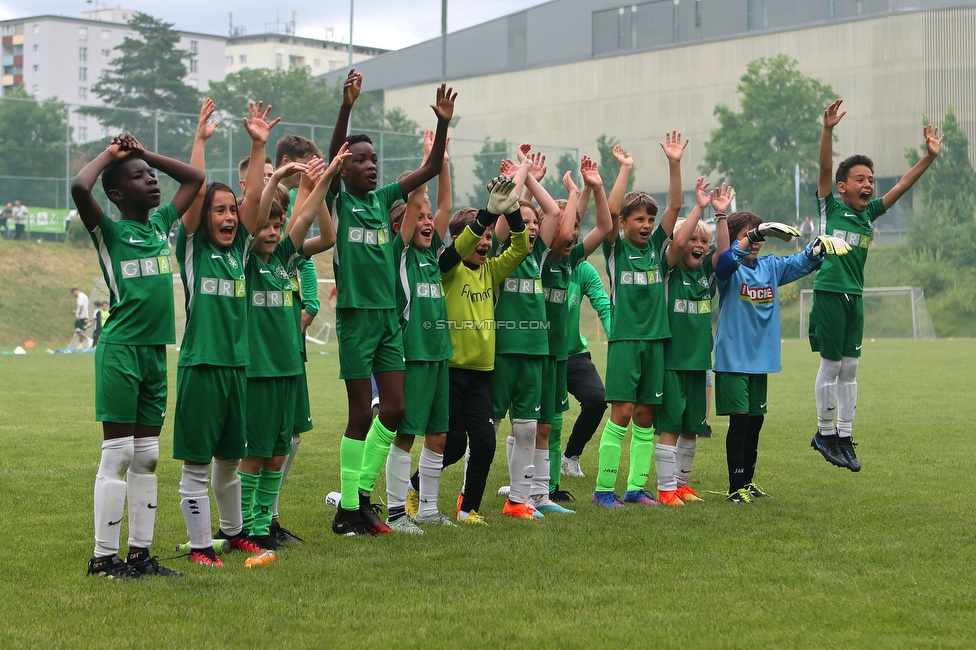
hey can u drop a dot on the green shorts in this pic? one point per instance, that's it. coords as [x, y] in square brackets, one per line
[682, 408]
[270, 415]
[426, 393]
[737, 392]
[635, 372]
[210, 413]
[836, 325]
[130, 384]
[516, 386]
[555, 396]
[303, 410]
[369, 341]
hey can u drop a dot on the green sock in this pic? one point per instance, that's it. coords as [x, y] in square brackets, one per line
[351, 464]
[249, 483]
[375, 454]
[610, 441]
[641, 452]
[269, 483]
[555, 451]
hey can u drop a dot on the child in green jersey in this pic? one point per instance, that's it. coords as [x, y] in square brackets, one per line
[213, 249]
[681, 417]
[638, 327]
[274, 338]
[837, 315]
[130, 360]
[370, 340]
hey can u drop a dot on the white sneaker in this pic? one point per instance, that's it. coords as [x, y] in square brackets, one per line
[436, 519]
[571, 467]
[404, 525]
[504, 490]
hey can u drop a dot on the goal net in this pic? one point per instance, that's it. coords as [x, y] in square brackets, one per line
[889, 312]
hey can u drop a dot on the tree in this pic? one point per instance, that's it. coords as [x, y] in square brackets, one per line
[401, 148]
[144, 92]
[945, 225]
[553, 182]
[486, 165]
[32, 136]
[757, 150]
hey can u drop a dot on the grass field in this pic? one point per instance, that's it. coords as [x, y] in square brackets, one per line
[883, 558]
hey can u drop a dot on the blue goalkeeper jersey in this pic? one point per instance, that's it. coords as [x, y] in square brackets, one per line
[748, 336]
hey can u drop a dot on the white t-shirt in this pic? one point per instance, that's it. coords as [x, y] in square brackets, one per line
[20, 214]
[81, 306]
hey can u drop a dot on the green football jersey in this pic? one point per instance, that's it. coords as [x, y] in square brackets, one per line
[138, 271]
[636, 292]
[520, 309]
[845, 273]
[689, 304]
[365, 271]
[555, 288]
[273, 332]
[421, 303]
[216, 300]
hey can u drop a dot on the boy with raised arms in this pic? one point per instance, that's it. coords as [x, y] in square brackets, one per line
[367, 326]
[130, 360]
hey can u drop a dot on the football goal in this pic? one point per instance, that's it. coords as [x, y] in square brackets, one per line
[889, 312]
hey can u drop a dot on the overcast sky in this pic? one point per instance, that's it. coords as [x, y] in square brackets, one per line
[389, 24]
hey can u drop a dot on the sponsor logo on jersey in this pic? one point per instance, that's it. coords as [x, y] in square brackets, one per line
[522, 285]
[368, 236]
[271, 299]
[756, 295]
[223, 288]
[476, 296]
[146, 266]
[575, 300]
[280, 272]
[693, 306]
[133, 240]
[428, 290]
[556, 296]
[855, 240]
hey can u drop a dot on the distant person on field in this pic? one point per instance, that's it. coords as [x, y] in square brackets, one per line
[837, 316]
[99, 315]
[81, 317]
[5, 215]
[20, 219]
[806, 230]
[130, 362]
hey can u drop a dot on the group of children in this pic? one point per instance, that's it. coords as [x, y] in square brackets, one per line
[460, 319]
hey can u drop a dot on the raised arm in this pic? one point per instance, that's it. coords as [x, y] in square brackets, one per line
[315, 207]
[443, 108]
[268, 190]
[673, 149]
[192, 215]
[350, 93]
[259, 129]
[565, 225]
[933, 145]
[81, 187]
[832, 116]
[619, 189]
[604, 222]
[445, 194]
[679, 243]
[517, 174]
[721, 200]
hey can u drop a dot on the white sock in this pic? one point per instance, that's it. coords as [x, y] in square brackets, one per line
[509, 446]
[846, 396]
[521, 467]
[195, 505]
[142, 490]
[295, 439]
[397, 477]
[686, 449]
[110, 494]
[826, 390]
[540, 478]
[227, 493]
[431, 465]
[665, 458]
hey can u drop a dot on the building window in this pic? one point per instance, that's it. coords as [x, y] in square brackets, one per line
[278, 61]
[82, 53]
[242, 59]
[82, 93]
[230, 60]
[193, 65]
[83, 134]
[37, 48]
[82, 33]
[35, 68]
[106, 54]
[193, 47]
[37, 29]
[82, 74]
[106, 34]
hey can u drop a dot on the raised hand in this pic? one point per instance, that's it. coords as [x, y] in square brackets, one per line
[591, 172]
[501, 195]
[206, 128]
[314, 170]
[538, 168]
[258, 126]
[444, 105]
[429, 145]
[702, 196]
[292, 168]
[722, 199]
[569, 183]
[336, 163]
[522, 153]
[622, 156]
[351, 88]
[933, 143]
[831, 115]
[508, 168]
[673, 147]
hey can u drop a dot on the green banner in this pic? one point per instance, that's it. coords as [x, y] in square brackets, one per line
[48, 220]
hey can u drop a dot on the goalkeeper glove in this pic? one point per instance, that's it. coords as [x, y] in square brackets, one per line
[772, 229]
[828, 245]
[502, 198]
